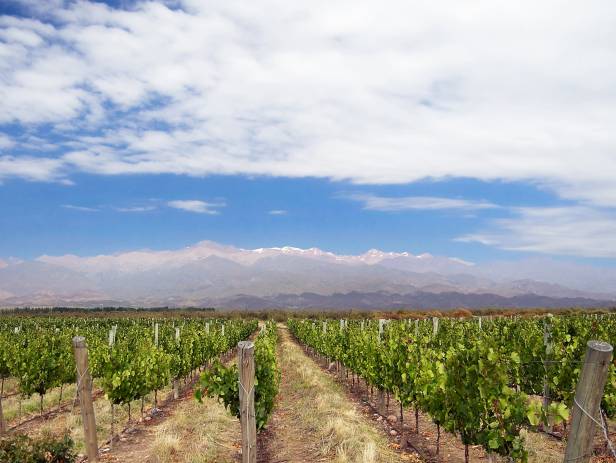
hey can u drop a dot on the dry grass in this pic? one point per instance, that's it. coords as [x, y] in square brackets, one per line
[197, 433]
[543, 449]
[10, 385]
[71, 420]
[31, 405]
[324, 412]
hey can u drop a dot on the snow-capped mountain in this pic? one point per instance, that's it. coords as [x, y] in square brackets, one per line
[137, 261]
[210, 273]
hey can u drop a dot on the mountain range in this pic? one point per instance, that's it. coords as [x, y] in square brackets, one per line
[216, 275]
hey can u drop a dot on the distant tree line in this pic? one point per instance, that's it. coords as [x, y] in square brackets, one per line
[283, 315]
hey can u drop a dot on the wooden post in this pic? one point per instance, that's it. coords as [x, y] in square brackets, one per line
[380, 401]
[341, 369]
[246, 362]
[176, 381]
[547, 343]
[84, 386]
[112, 425]
[380, 397]
[587, 403]
[2, 422]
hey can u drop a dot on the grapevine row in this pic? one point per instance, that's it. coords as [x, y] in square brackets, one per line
[131, 358]
[222, 381]
[478, 379]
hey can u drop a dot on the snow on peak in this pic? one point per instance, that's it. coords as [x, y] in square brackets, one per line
[143, 260]
[376, 255]
[461, 261]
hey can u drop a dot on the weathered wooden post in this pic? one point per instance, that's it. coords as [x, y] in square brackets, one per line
[341, 368]
[246, 362]
[380, 394]
[176, 381]
[547, 342]
[2, 422]
[84, 386]
[587, 402]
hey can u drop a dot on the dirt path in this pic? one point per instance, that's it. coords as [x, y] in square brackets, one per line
[314, 421]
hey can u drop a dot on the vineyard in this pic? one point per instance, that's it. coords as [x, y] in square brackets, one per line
[128, 359]
[492, 383]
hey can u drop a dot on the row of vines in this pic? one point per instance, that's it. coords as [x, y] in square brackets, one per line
[222, 381]
[480, 378]
[130, 358]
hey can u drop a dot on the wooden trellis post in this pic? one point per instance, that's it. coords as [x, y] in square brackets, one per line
[547, 342]
[176, 381]
[246, 363]
[587, 403]
[2, 422]
[84, 387]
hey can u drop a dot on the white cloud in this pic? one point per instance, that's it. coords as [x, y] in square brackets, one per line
[193, 205]
[31, 168]
[576, 231]
[80, 208]
[376, 92]
[5, 142]
[277, 212]
[135, 209]
[404, 203]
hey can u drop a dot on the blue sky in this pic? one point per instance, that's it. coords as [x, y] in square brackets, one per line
[401, 126]
[106, 214]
